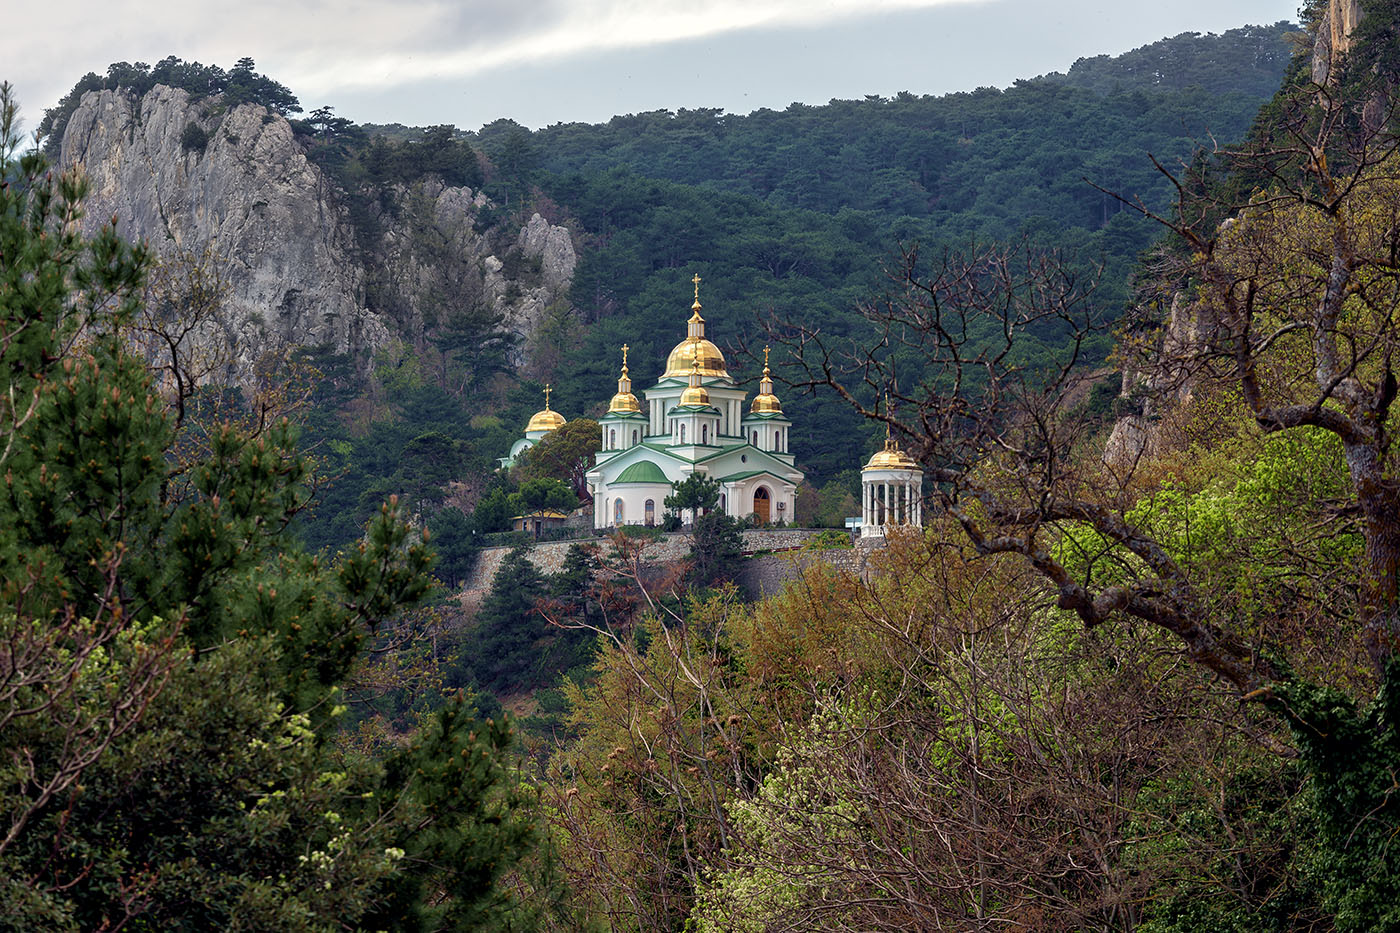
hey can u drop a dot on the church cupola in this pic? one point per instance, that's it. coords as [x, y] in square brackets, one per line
[544, 421]
[765, 402]
[624, 424]
[695, 351]
[624, 401]
[694, 421]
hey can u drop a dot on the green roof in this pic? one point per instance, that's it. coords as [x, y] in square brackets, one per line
[643, 471]
[735, 477]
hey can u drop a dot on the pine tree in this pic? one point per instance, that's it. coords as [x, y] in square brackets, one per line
[170, 681]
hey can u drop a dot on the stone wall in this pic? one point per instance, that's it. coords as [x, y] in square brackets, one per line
[765, 574]
[549, 556]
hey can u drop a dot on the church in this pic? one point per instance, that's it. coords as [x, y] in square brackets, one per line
[694, 420]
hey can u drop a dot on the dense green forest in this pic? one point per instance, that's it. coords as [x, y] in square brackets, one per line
[1126, 681]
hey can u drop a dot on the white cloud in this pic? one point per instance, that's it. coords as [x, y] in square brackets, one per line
[455, 44]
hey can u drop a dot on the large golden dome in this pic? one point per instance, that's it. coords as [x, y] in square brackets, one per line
[695, 353]
[891, 458]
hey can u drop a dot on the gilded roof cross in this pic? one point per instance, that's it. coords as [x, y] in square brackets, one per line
[696, 280]
[625, 348]
[546, 396]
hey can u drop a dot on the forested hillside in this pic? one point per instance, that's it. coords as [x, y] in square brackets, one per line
[1135, 673]
[798, 211]
[782, 213]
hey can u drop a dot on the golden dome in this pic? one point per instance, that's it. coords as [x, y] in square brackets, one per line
[624, 401]
[545, 420]
[765, 402]
[891, 458]
[695, 352]
[695, 395]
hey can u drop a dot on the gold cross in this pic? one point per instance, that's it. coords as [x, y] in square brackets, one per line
[625, 348]
[696, 280]
[765, 357]
[546, 396]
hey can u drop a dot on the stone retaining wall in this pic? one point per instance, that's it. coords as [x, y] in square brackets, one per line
[549, 556]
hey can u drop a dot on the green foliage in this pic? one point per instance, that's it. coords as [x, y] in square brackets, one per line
[715, 550]
[696, 493]
[193, 138]
[537, 494]
[239, 85]
[172, 700]
[564, 454]
[1352, 754]
[514, 644]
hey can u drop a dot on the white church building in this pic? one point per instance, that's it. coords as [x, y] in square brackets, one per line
[694, 421]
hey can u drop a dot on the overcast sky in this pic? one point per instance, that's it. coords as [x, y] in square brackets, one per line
[545, 61]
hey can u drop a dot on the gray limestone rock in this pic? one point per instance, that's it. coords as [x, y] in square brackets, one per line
[188, 176]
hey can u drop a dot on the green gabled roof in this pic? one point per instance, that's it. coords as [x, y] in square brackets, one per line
[766, 416]
[624, 416]
[735, 477]
[736, 448]
[643, 471]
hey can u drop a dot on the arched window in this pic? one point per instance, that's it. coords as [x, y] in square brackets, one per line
[682, 434]
[704, 433]
[723, 503]
[634, 435]
[755, 438]
[612, 438]
[651, 512]
[618, 512]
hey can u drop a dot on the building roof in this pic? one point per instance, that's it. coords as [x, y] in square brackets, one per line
[643, 471]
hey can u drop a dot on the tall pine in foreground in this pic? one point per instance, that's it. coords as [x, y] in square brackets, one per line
[171, 662]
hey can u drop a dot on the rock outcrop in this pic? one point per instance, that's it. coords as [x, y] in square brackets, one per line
[1339, 19]
[189, 176]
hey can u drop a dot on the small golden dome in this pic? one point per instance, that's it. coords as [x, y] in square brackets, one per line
[765, 402]
[545, 420]
[891, 458]
[695, 395]
[624, 401]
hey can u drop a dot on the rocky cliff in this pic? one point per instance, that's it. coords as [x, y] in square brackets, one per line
[189, 176]
[1334, 29]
